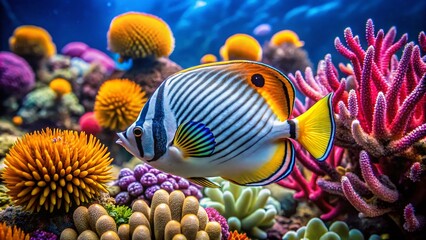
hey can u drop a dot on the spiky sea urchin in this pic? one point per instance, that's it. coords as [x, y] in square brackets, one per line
[55, 169]
[118, 103]
[7, 232]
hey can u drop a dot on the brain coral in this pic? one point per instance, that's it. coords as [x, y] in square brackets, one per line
[241, 47]
[139, 35]
[118, 103]
[286, 36]
[16, 76]
[31, 40]
[56, 169]
[7, 232]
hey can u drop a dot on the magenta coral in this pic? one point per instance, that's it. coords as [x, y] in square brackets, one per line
[388, 98]
[309, 188]
[214, 216]
[16, 75]
[412, 222]
[380, 112]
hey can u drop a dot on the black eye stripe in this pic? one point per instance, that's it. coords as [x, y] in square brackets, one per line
[258, 80]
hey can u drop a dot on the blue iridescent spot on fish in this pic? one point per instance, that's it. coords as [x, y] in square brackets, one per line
[228, 119]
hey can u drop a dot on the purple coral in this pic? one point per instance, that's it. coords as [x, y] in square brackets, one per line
[74, 49]
[135, 189]
[92, 55]
[384, 112]
[16, 75]
[412, 222]
[380, 113]
[125, 181]
[148, 179]
[214, 216]
[88, 54]
[143, 181]
[42, 235]
[122, 198]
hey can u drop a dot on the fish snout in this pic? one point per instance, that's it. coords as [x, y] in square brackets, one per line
[121, 138]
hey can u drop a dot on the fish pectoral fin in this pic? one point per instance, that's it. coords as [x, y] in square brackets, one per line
[194, 139]
[202, 181]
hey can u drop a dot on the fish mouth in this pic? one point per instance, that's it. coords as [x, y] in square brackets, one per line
[120, 140]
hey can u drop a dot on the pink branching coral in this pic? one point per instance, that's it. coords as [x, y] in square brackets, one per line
[380, 108]
[307, 188]
[412, 222]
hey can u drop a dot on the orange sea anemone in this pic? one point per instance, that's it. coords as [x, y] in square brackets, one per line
[15, 233]
[118, 103]
[237, 236]
[286, 36]
[139, 35]
[31, 40]
[60, 86]
[56, 169]
[208, 58]
[241, 47]
[17, 120]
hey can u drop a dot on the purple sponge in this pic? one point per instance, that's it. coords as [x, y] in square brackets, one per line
[74, 49]
[16, 75]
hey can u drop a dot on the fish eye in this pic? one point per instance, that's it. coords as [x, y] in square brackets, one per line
[137, 131]
[258, 80]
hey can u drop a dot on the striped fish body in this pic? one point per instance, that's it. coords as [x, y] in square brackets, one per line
[224, 119]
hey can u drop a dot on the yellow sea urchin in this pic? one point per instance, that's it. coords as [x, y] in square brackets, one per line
[7, 232]
[60, 86]
[118, 103]
[140, 35]
[29, 40]
[55, 169]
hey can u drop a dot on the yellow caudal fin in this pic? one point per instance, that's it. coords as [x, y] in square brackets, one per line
[316, 128]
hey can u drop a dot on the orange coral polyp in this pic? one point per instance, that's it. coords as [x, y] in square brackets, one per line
[56, 169]
[237, 236]
[286, 36]
[15, 233]
[60, 86]
[118, 103]
[140, 35]
[32, 40]
[208, 58]
[241, 47]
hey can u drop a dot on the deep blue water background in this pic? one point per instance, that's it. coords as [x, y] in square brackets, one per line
[202, 27]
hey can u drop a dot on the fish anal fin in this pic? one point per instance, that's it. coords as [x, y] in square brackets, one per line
[194, 139]
[202, 181]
